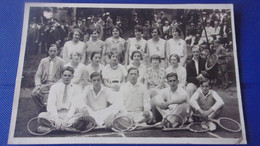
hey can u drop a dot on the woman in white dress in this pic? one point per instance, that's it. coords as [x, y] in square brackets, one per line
[95, 65]
[174, 60]
[176, 45]
[74, 45]
[157, 46]
[136, 43]
[136, 58]
[115, 43]
[93, 45]
[80, 76]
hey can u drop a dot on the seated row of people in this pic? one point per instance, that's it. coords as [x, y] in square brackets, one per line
[66, 102]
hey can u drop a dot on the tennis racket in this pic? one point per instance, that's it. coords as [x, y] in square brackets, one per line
[40, 126]
[197, 127]
[227, 124]
[170, 120]
[212, 60]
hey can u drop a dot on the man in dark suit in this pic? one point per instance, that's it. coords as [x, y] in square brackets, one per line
[49, 71]
[194, 69]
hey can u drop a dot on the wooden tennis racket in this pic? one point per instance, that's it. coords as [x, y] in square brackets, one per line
[211, 62]
[197, 127]
[40, 126]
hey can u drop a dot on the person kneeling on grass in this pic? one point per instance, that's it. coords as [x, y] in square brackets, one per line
[172, 100]
[206, 103]
[61, 105]
[136, 99]
[101, 102]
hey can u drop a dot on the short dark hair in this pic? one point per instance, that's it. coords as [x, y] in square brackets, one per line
[75, 30]
[93, 54]
[132, 68]
[53, 46]
[67, 68]
[116, 27]
[136, 52]
[155, 56]
[94, 74]
[138, 28]
[205, 79]
[153, 28]
[178, 30]
[90, 31]
[172, 74]
[176, 56]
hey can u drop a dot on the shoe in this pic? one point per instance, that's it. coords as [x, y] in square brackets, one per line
[212, 126]
[42, 129]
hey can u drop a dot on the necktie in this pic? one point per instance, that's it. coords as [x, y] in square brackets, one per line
[65, 96]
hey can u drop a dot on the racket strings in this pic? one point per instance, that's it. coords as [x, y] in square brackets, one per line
[199, 127]
[123, 123]
[230, 125]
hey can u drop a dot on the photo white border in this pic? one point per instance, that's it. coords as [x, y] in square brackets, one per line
[121, 140]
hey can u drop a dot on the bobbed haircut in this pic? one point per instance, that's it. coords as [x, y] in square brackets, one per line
[155, 56]
[93, 54]
[153, 28]
[116, 27]
[177, 29]
[138, 28]
[136, 52]
[75, 30]
[176, 56]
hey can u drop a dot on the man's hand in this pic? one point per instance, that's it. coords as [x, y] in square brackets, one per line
[164, 105]
[109, 121]
[36, 91]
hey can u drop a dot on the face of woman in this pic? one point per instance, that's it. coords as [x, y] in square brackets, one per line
[175, 34]
[137, 33]
[96, 58]
[75, 57]
[94, 35]
[114, 59]
[137, 57]
[155, 62]
[76, 36]
[174, 60]
[115, 32]
[155, 33]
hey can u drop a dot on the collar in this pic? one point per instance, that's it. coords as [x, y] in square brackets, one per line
[209, 93]
[50, 59]
[101, 90]
[130, 84]
[194, 59]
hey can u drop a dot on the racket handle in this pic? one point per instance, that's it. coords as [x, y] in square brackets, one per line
[71, 130]
[149, 126]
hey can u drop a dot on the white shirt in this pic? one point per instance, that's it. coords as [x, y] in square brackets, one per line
[176, 47]
[135, 97]
[91, 70]
[71, 47]
[156, 48]
[56, 94]
[114, 74]
[196, 65]
[99, 101]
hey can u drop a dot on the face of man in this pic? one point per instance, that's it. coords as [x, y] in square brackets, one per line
[172, 81]
[205, 88]
[196, 53]
[53, 52]
[96, 81]
[133, 76]
[66, 77]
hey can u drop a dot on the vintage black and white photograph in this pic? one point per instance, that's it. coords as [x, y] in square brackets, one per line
[128, 73]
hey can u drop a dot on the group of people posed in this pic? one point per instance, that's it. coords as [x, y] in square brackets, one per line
[144, 79]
